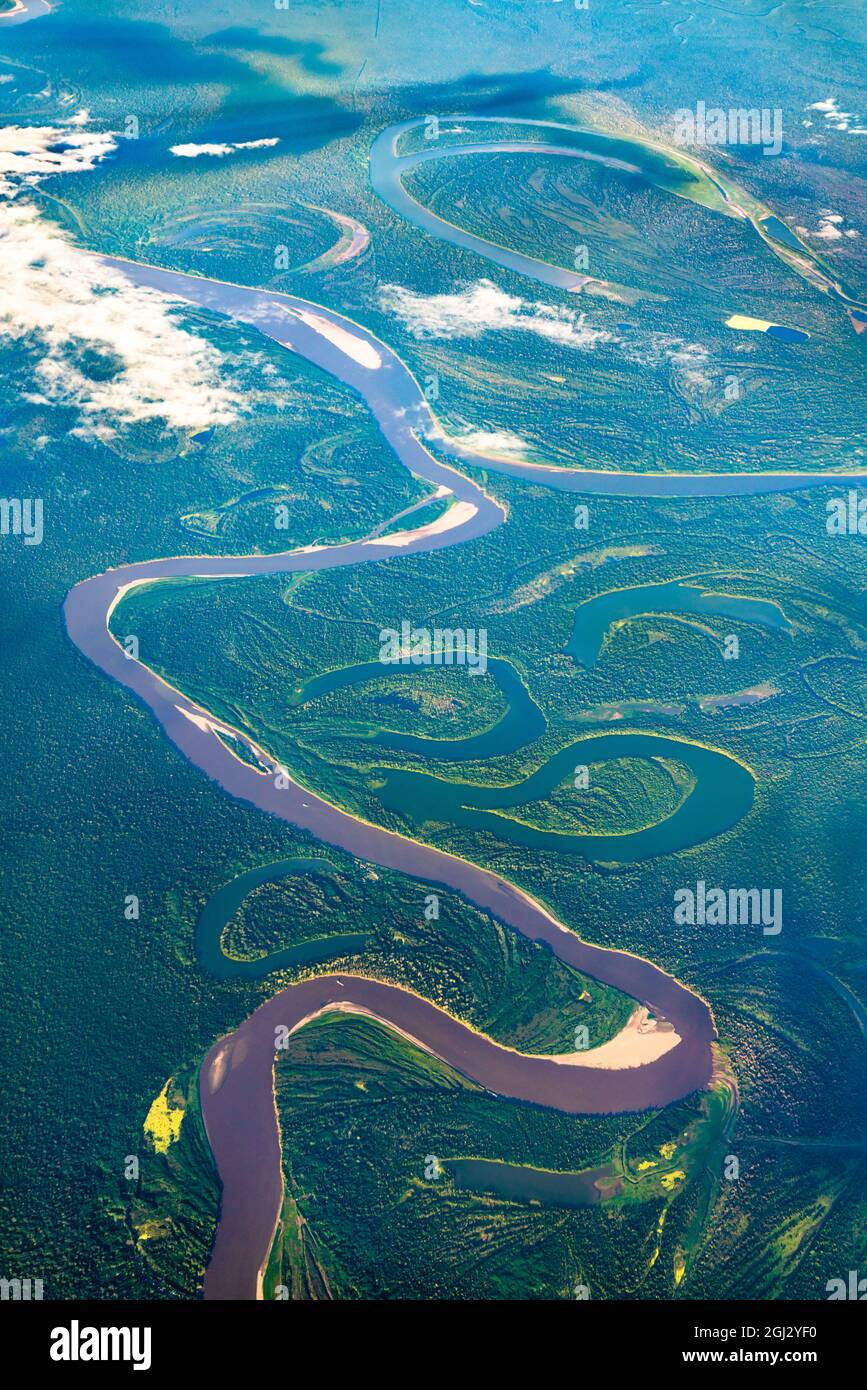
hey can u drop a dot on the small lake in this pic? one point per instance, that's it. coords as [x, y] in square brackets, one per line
[517, 1183]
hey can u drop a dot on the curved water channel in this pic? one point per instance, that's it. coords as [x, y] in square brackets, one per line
[236, 1084]
[680, 173]
[595, 617]
[721, 794]
[222, 906]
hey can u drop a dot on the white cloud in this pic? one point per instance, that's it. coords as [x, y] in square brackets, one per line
[679, 353]
[193, 151]
[77, 313]
[835, 118]
[492, 442]
[691, 359]
[830, 227]
[220, 151]
[29, 153]
[68, 302]
[484, 308]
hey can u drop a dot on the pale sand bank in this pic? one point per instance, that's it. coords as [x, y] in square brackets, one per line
[359, 349]
[457, 515]
[643, 1040]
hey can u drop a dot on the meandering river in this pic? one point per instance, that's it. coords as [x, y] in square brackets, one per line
[237, 1075]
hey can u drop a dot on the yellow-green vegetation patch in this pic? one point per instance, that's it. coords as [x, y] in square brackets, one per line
[163, 1122]
[170, 1210]
[152, 1230]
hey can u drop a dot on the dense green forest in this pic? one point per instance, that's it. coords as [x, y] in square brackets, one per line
[114, 845]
